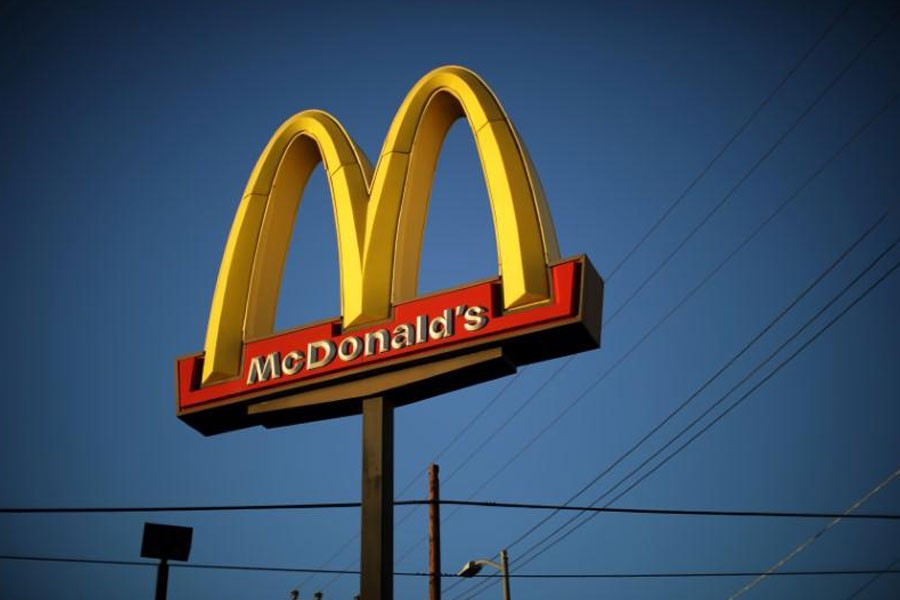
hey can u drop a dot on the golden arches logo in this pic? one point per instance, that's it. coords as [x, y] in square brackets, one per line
[379, 214]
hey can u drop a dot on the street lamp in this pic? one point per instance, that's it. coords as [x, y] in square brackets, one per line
[473, 567]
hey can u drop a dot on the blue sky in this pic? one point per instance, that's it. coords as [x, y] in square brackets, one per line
[130, 130]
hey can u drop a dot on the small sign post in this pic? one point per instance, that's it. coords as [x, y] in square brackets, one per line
[165, 542]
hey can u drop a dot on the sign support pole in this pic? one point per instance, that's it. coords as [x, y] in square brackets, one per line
[162, 579]
[377, 547]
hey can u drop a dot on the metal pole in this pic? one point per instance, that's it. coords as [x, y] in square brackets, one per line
[434, 533]
[504, 571]
[377, 547]
[162, 579]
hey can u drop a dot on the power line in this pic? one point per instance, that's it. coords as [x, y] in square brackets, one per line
[533, 549]
[487, 439]
[834, 81]
[715, 209]
[153, 509]
[735, 404]
[752, 235]
[416, 478]
[677, 410]
[451, 502]
[709, 165]
[687, 574]
[672, 511]
[660, 575]
[140, 563]
[453, 441]
[873, 579]
[787, 76]
[814, 537]
[475, 419]
[721, 152]
[790, 198]
[466, 461]
[463, 430]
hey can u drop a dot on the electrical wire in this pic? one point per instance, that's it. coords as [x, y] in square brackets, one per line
[875, 577]
[451, 502]
[815, 537]
[671, 511]
[677, 410]
[791, 72]
[759, 108]
[832, 83]
[412, 547]
[638, 575]
[752, 235]
[806, 112]
[453, 441]
[735, 404]
[827, 163]
[174, 508]
[534, 550]
[815, 174]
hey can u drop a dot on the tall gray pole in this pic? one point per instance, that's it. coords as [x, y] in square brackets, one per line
[377, 546]
[504, 571]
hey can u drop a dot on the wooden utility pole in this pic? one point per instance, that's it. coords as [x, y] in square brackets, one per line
[434, 533]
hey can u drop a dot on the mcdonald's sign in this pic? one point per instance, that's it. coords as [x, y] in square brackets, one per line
[388, 341]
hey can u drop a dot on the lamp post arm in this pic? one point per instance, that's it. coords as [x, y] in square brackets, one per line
[472, 567]
[484, 561]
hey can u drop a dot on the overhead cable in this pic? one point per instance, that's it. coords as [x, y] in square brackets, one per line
[637, 575]
[737, 402]
[814, 537]
[534, 550]
[759, 108]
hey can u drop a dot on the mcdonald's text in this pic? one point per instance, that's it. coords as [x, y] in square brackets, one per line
[314, 362]
[322, 353]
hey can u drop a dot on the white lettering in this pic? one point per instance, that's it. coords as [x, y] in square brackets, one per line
[263, 372]
[313, 360]
[441, 327]
[292, 362]
[475, 318]
[382, 337]
[349, 348]
[323, 352]
[421, 329]
[403, 336]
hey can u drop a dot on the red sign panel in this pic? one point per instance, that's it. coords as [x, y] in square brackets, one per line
[434, 326]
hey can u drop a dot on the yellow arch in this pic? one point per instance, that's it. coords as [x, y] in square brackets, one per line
[526, 237]
[246, 294]
[380, 217]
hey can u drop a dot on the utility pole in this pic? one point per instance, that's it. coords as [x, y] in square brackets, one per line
[434, 533]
